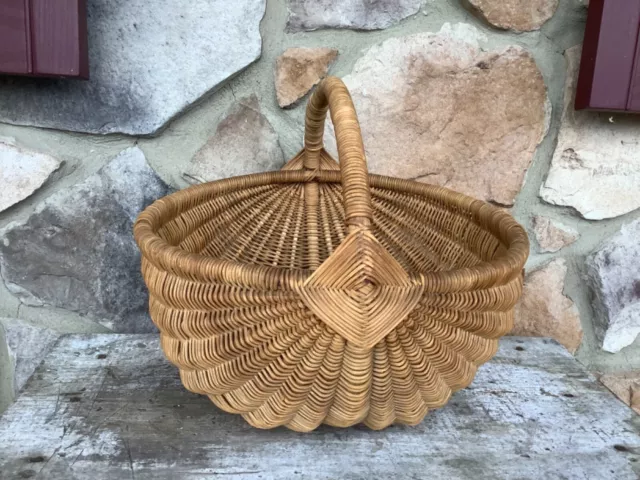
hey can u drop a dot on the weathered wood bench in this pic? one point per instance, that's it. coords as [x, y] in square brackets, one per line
[111, 407]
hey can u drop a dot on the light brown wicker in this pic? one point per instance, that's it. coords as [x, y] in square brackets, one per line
[320, 294]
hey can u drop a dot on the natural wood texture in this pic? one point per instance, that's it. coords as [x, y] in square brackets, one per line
[59, 37]
[633, 103]
[316, 295]
[15, 48]
[111, 407]
[44, 38]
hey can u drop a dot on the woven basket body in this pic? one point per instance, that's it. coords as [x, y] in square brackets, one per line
[323, 294]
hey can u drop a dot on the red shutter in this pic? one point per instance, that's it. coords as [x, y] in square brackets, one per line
[634, 89]
[44, 38]
[609, 72]
[15, 51]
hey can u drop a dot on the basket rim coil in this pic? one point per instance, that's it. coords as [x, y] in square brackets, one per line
[497, 271]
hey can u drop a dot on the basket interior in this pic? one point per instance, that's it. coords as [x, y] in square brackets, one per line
[266, 225]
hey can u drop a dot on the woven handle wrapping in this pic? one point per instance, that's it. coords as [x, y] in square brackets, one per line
[332, 95]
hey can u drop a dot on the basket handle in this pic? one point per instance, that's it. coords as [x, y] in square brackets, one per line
[332, 94]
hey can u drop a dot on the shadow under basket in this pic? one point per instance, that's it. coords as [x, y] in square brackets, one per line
[324, 294]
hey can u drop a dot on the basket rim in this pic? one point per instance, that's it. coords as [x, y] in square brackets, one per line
[200, 268]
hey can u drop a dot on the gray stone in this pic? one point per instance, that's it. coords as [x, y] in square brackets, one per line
[244, 142]
[553, 235]
[27, 345]
[149, 61]
[22, 172]
[435, 107]
[614, 276]
[76, 251]
[354, 14]
[595, 168]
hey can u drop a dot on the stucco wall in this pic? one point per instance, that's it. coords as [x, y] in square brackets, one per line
[580, 293]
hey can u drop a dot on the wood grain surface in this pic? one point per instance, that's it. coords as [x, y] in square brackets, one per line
[607, 78]
[44, 38]
[15, 48]
[111, 406]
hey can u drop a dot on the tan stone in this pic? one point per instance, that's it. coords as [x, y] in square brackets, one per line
[545, 311]
[298, 70]
[552, 235]
[518, 15]
[595, 167]
[437, 108]
[626, 386]
[244, 142]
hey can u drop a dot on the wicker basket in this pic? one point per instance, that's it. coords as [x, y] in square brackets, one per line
[322, 294]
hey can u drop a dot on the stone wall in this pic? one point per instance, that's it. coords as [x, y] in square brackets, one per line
[475, 95]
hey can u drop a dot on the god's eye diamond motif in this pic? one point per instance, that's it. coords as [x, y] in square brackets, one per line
[361, 291]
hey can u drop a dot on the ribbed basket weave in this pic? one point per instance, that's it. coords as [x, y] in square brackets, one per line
[322, 294]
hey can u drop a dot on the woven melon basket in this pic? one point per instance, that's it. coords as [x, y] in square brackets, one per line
[323, 294]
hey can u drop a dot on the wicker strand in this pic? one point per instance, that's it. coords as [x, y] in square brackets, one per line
[333, 95]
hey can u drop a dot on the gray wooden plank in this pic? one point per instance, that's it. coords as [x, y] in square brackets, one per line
[110, 406]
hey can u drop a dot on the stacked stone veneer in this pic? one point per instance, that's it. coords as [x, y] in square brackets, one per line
[475, 95]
